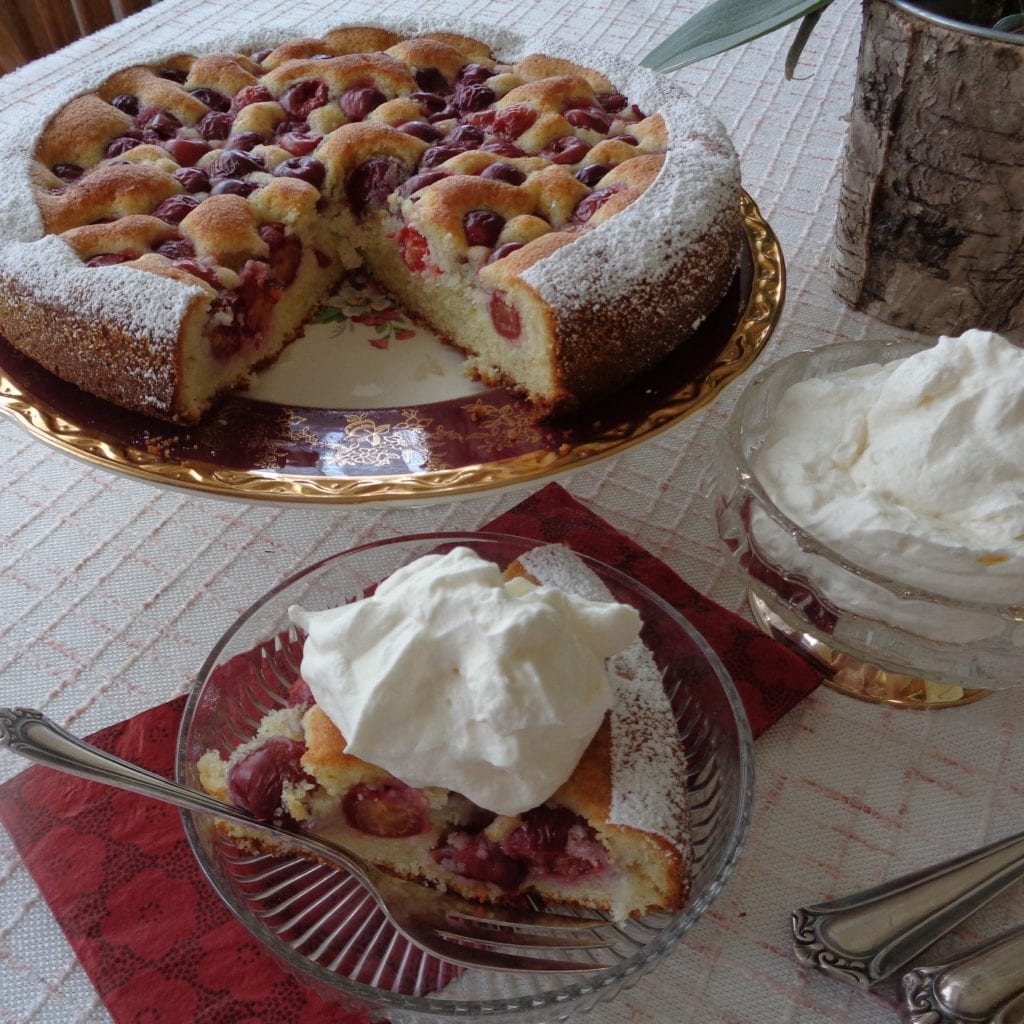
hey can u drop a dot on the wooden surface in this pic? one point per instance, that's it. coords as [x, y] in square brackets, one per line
[34, 28]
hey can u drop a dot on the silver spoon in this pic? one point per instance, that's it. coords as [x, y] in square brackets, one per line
[983, 986]
[868, 936]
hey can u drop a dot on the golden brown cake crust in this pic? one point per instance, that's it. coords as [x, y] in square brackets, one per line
[565, 261]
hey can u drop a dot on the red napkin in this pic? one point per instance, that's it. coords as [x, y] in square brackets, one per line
[155, 940]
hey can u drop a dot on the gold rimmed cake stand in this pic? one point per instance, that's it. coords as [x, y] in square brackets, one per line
[400, 451]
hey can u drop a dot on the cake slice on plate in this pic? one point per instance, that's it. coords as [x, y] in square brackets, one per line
[569, 783]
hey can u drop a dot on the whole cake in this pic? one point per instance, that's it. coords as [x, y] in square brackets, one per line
[496, 736]
[565, 226]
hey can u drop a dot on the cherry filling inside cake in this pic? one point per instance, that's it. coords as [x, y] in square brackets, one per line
[295, 771]
[216, 200]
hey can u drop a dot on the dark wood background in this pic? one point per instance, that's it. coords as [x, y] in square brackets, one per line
[34, 28]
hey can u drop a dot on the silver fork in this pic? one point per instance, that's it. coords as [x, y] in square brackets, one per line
[453, 929]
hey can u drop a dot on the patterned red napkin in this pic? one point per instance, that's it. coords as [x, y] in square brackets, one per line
[157, 943]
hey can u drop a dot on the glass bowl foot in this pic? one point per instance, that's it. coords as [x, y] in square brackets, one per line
[860, 679]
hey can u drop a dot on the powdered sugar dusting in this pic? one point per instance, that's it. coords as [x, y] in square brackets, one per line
[147, 305]
[696, 187]
[648, 764]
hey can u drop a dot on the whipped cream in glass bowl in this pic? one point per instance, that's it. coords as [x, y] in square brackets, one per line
[871, 494]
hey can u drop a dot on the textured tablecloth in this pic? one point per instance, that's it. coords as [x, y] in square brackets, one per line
[112, 591]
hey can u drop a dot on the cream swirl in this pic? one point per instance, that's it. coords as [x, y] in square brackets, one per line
[911, 470]
[450, 676]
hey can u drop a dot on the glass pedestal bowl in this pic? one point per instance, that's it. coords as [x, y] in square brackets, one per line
[318, 921]
[878, 638]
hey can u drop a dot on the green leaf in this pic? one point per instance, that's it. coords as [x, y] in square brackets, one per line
[724, 24]
[330, 315]
[798, 44]
[1011, 23]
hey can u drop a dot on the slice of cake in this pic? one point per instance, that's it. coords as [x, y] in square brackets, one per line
[569, 784]
[178, 223]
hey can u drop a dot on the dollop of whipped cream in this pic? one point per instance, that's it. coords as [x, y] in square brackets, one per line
[449, 675]
[912, 470]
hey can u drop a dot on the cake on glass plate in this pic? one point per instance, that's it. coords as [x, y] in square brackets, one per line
[496, 735]
[564, 220]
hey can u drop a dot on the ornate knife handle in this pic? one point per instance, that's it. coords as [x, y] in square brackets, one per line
[868, 936]
[984, 985]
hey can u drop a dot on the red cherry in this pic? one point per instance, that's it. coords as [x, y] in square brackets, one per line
[613, 102]
[285, 252]
[360, 101]
[631, 140]
[176, 249]
[430, 102]
[413, 248]
[246, 141]
[506, 149]
[420, 130]
[174, 209]
[68, 172]
[482, 227]
[472, 96]
[592, 174]
[503, 172]
[480, 858]
[302, 97]
[197, 269]
[256, 781]
[511, 122]
[505, 318]
[160, 122]
[186, 151]
[473, 74]
[121, 145]
[430, 80]
[437, 155]
[233, 187]
[192, 179]
[503, 250]
[589, 205]
[232, 163]
[392, 810]
[446, 113]
[373, 181]
[299, 143]
[418, 181]
[249, 95]
[215, 125]
[566, 150]
[126, 103]
[108, 259]
[465, 136]
[213, 99]
[481, 118]
[593, 118]
[304, 168]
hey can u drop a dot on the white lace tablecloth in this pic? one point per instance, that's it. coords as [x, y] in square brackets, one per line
[112, 591]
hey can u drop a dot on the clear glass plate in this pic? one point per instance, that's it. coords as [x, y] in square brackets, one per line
[318, 921]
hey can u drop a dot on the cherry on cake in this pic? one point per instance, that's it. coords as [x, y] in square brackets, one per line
[494, 735]
[565, 226]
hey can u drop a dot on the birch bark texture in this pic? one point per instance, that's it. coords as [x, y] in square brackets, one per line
[930, 228]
